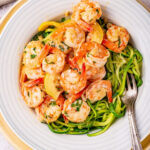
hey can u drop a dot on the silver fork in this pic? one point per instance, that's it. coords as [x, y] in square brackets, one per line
[129, 99]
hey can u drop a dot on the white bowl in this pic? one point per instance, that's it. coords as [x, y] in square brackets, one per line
[22, 120]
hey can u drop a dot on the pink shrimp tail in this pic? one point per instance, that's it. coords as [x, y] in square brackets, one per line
[83, 71]
[78, 95]
[65, 118]
[112, 46]
[32, 83]
[73, 63]
[53, 49]
[109, 95]
[109, 92]
[60, 101]
[44, 52]
[107, 84]
[23, 76]
[85, 26]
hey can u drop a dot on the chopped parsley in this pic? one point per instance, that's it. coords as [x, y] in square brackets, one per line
[77, 104]
[97, 11]
[34, 48]
[94, 62]
[43, 122]
[87, 54]
[51, 26]
[33, 56]
[25, 52]
[61, 48]
[102, 23]
[49, 62]
[36, 36]
[28, 94]
[79, 72]
[53, 103]
[65, 45]
[77, 109]
[73, 105]
[58, 88]
[63, 19]
[45, 34]
[66, 114]
[66, 92]
[52, 44]
[75, 69]
[119, 42]
[45, 115]
[43, 42]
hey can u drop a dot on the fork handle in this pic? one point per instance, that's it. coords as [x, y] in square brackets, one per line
[133, 129]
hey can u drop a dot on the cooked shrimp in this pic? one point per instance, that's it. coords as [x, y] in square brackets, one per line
[68, 36]
[30, 83]
[98, 89]
[60, 101]
[48, 111]
[95, 54]
[116, 38]
[75, 109]
[86, 13]
[94, 73]
[54, 63]
[73, 81]
[32, 96]
[34, 53]
[34, 73]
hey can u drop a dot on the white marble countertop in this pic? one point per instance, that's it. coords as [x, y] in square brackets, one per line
[4, 144]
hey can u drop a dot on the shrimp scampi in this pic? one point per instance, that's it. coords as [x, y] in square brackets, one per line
[73, 81]
[75, 109]
[48, 111]
[98, 90]
[33, 96]
[116, 39]
[94, 73]
[86, 13]
[34, 53]
[68, 36]
[31, 90]
[95, 54]
[54, 62]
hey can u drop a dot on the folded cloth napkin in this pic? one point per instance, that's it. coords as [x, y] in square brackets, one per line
[3, 2]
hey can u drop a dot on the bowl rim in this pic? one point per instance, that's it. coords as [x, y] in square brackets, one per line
[3, 25]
